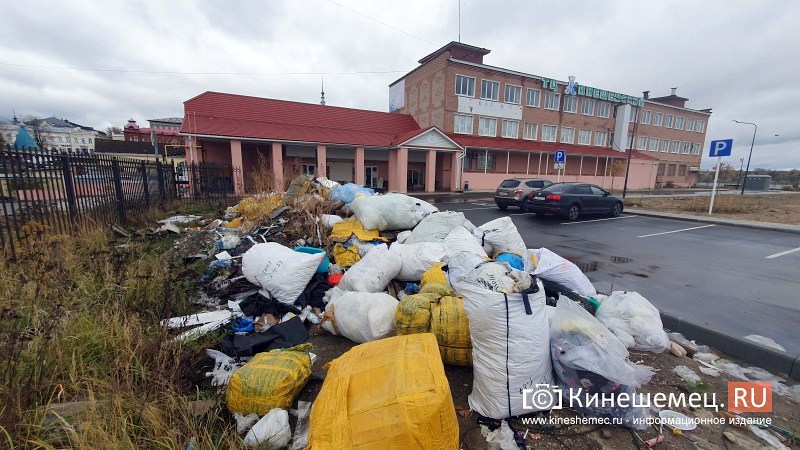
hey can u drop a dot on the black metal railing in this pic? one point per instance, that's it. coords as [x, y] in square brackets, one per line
[56, 192]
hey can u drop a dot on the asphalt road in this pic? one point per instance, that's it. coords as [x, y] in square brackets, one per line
[735, 280]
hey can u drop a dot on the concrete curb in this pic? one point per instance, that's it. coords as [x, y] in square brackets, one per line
[730, 222]
[759, 355]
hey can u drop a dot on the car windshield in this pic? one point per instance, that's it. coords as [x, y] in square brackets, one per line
[509, 184]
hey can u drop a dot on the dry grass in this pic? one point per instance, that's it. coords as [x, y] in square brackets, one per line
[775, 207]
[79, 321]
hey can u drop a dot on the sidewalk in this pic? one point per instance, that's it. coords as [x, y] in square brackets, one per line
[716, 220]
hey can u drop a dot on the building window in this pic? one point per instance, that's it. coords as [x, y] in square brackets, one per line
[513, 94]
[668, 121]
[700, 126]
[661, 168]
[414, 177]
[510, 129]
[567, 134]
[549, 133]
[653, 144]
[465, 86]
[533, 97]
[570, 104]
[487, 126]
[682, 170]
[308, 169]
[600, 138]
[587, 107]
[645, 117]
[90, 140]
[671, 170]
[657, 117]
[689, 124]
[679, 123]
[462, 124]
[584, 137]
[676, 147]
[665, 146]
[634, 115]
[551, 100]
[630, 142]
[530, 131]
[641, 143]
[687, 147]
[484, 160]
[603, 109]
[490, 90]
[696, 148]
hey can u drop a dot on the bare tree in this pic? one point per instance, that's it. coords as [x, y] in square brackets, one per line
[36, 128]
[111, 130]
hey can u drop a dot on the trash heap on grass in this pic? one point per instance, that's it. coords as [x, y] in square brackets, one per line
[416, 287]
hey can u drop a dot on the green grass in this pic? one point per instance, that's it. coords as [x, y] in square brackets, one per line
[79, 321]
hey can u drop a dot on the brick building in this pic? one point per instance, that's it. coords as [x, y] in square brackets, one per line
[510, 123]
[166, 131]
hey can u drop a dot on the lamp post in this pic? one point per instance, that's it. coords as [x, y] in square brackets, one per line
[755, 129]
[630, 152]
[741, 166]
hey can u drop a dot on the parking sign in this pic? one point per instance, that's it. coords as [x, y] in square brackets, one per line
[721, 147]
[561, 156]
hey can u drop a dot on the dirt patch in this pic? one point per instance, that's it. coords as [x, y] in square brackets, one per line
[774, 208]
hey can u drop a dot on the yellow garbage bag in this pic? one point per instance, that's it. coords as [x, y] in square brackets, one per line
[345, 257]
[270, 380]
[434, 275]
[343, 230]
[255, 208]
[235, 223]
[390, 393]
[436, 309]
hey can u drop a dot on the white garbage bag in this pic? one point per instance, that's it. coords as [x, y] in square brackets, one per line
[373, 272]
[390, 212]
[435, 227]
[461, 240]
[271, 432]
[634, 320]
[402, 236]
[284, 273]
[554, 268]
[360, 316]
[503, 237]
[329, 220]
[510, 341]
[417, 258]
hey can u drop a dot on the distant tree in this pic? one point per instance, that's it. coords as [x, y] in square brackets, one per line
[727, 173]
[617, 167]
[111, 130]
[36, 128]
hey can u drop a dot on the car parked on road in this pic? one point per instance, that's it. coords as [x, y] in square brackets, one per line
[514, 191]
[572, 200]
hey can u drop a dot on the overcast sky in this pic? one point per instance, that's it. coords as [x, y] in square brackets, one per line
[100, 63]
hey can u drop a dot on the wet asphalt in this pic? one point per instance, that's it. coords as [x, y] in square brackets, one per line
[714, 275]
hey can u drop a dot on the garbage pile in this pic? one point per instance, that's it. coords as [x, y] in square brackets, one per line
[416, 287]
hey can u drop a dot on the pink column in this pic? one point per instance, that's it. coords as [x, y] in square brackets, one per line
[402, 170]
[392, 175]
[430, 171]
[322, 162]
[359, 166]
[276, 160]
[454, 171]
[236, 163]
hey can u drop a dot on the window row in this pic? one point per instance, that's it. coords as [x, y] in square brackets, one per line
[668, 121]
[487, 126]
[654, 144]
[669, 170]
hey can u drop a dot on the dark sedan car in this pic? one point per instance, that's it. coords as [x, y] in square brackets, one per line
[572, 200]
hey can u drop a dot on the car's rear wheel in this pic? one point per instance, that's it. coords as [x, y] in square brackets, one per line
[503, 207]
[616, 210]
[573, 212]
[524, 206]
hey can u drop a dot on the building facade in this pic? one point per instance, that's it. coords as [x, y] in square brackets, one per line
[510, 123]
[54, 134]
[166, 131]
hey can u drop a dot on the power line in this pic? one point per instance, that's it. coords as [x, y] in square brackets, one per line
[171, 72]
[382, 23]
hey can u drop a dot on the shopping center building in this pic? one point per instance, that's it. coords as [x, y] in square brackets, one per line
[455, 121]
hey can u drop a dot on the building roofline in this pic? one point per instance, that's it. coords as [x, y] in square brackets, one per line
[282, 141]
[482, 51]
[678, 107]
[442, 133]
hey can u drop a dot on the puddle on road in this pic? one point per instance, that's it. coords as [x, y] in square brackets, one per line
[585, 267]
[620, 259]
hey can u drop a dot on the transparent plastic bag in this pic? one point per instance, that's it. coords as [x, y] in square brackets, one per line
[630, 314]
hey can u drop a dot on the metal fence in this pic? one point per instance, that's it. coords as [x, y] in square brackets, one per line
[46, 192]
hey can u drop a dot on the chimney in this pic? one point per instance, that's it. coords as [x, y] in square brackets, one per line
[646, 94]
[673, 90]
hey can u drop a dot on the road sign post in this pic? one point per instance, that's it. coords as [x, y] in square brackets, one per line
[560, 159]
[719, 149]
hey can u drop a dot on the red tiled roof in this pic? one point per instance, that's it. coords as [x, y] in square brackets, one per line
[219, 114]
[520, 144]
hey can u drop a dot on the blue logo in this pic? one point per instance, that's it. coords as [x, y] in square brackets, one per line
[570, 89]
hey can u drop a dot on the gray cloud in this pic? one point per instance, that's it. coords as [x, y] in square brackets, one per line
[733, 56]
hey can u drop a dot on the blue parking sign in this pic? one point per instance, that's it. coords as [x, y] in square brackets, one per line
[561, 156]
[721, 147]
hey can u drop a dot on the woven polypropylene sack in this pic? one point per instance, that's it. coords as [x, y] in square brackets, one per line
[270, 380]
[391, 393]
[280, 270]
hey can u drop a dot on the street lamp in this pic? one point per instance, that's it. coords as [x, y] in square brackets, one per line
[744, 182]
[741, 166]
